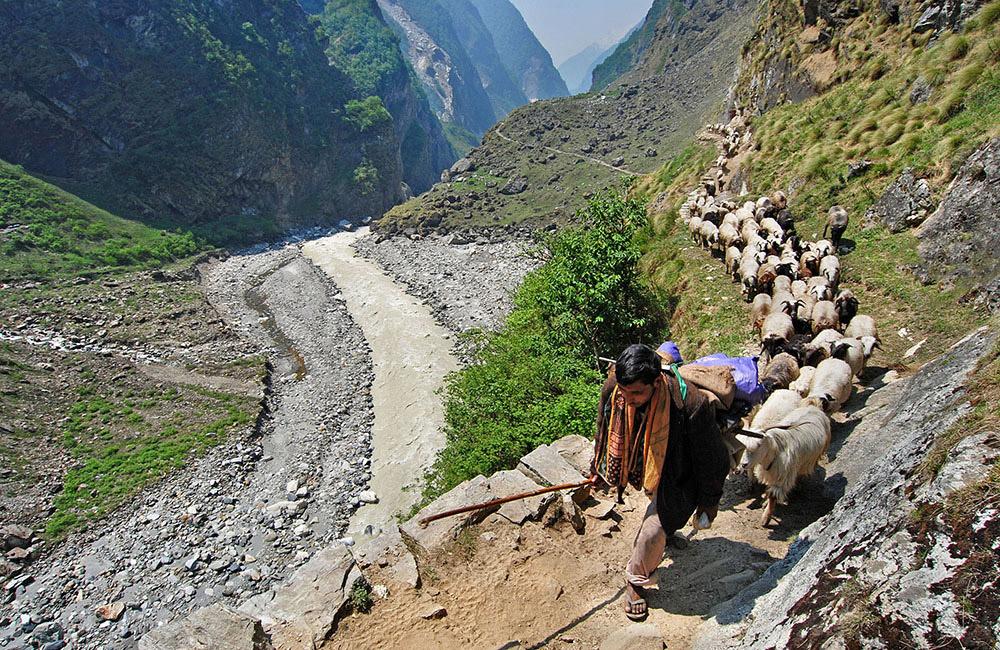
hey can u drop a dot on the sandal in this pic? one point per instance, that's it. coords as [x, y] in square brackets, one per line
[635, 609]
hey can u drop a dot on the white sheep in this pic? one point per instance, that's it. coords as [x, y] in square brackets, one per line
[819, 288]
[733, 257]
[708, 234]
[832, 384]
[759, 310]
[694, 227]
[824, 317]
[777, 331]
[782, 284]
[788, 450]
[862, 325]
[854, 351]
[829, 268]
[804, 382]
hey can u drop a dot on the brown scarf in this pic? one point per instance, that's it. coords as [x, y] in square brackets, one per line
[636, 457]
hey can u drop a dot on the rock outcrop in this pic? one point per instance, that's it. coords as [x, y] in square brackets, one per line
[906, 203]
[873, 571]
[961, 239]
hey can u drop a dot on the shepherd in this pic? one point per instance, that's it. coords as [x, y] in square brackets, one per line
[659, 434]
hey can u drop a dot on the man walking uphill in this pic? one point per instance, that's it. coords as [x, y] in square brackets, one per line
[659, 434]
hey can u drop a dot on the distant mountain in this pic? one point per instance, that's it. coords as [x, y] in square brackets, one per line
[527, 61]
[187, 113]
[362, 45]
[432, 45]
[630, 51]
[505, 94]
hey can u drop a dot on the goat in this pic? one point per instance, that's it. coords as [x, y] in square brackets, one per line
[790, 449]
[832, 384]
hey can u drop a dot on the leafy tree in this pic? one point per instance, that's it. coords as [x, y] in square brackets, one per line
[366, 113]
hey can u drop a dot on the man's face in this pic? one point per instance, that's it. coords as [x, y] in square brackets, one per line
[637, 393]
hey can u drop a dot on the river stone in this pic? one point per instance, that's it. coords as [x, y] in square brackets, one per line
[216, 627]
[302, 611]
[867, 539]
[637, 636]
[442, 531]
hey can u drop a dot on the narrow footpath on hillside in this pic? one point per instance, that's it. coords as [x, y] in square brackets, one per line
[596, 161]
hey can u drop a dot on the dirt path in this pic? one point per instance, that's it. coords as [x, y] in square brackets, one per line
[596, 161]
[410, 356]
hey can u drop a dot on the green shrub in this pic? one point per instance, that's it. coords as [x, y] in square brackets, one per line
[366, 177]
[366, 113]
[537, 378]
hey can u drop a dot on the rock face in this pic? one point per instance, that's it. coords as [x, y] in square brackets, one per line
[961, 238]
[879, 570]
[904, 204]
[206, 128]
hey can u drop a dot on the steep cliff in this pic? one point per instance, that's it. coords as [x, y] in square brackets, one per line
[188, 114]
[362, 45]
[432, 45]
[631, 51]
[528, 63]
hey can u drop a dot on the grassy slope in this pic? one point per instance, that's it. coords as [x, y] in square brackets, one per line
[49, 233]
[117, 428]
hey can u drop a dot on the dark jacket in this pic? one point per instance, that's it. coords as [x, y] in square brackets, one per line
[696, 462]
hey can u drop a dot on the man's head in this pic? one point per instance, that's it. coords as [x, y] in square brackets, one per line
[635, 371]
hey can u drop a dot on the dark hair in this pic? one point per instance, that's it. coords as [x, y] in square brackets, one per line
[637, 363]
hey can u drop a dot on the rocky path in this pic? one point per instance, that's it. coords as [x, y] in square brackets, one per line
[410, 356]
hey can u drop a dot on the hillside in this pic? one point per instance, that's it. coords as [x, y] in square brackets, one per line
[538, 165]
[526, 60]
[362, 45]
[185, 114]
[578, 70]
[627, 55]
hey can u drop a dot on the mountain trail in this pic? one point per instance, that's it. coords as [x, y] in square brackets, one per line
[597, 161]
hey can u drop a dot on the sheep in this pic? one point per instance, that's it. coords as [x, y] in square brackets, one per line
[708, 234]
[799, 289]
[748, 277]
[765, 277]
[764, 203]
[847, 306]
[776, 332]
[733, 256]
[824, 317]
[760, 309]
[788, 450]
[785, 220]
[782, 284]
[829, 268]
[750, 206]
[832, 384]
[788, 265]
[823, 247]
[855, 352]
[780, 371]
[694, 227]
[749, 230]
[819, 287]
[803, 313]
[773, 230]
[745, 216]
[862, 325]
[729, 236]
[783, 301]
[808, 264]
[804, 382]
[836, 221]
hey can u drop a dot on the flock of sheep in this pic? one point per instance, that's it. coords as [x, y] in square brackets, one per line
[814, 343]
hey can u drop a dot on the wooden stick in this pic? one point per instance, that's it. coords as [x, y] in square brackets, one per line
[496, 502]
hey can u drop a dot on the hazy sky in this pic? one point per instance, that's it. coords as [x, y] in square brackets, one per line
[567, 26]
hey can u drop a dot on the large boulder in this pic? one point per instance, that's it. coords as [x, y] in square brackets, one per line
[216, 627]
[879, 570]
[302, 612]
[906, 203]
[961, 238]
[442, 531]
[546, 466]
